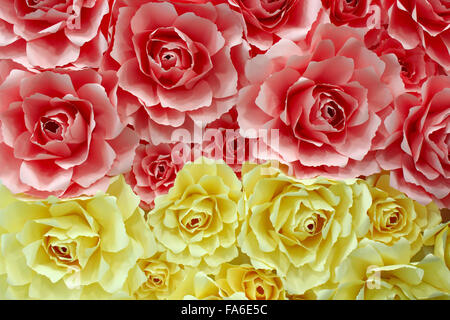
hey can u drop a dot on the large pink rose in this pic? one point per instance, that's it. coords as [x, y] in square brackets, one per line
[50, 33]
[60, 133]
[417, 150]
[290, 19]
[426, 22]
[356, 13]
[176, 64]
[416, 65]
[327, 103]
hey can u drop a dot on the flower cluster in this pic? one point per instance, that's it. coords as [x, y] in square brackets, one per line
[224, 149]
[268, 236]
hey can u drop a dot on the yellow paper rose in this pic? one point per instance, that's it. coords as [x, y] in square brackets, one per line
[197, 285]
[73, 249]
[197, 221]
[301, 228]
[393, 215]
[255, 284]
[378, 271]
[439, 237]
[155, 278]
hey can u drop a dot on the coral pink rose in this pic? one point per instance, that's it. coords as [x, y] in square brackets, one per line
[416, 65]
[289, 19]
[356, 13]
[50, 33]
[326, 103]
[417, 150]
[176, 64]
[425, 22]
[223, 141]
[60, 133]
[155, 168]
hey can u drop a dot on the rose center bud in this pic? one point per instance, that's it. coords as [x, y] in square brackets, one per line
[156, 280]
[333, 114]
[196, 221]
[51, 128]
[352, 3]
[260, 291]
[168, 59]
[61, 252]
[32, 3]
[405, 68]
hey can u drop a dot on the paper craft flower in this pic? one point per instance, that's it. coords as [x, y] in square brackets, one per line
[356, 13]
[155, 278]
[196, 222]
[155, 168]
[422, 22]
[394, 216]
[81, 248]
[327, 102]
[289, 19]
[49, 34]
[417, 147]
[61, 134]
[376, 271]
[254, 283]
[439, 237]
[176, 65]
[302, 229]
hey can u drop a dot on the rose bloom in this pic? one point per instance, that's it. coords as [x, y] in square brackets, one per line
[196, 222]
[199, 286]
[222, 140]
[439, 237]
[356, 13]
[60, 133]
[327, 103]
[81, 248]
[289, 19]
[394, 216]
[300, 228]
[416, 65]
[417, 146]
[54, 33]
[176, 64]
[155, 168]
[376, 271]
[256, 284]
[425, 22]
[155, 279]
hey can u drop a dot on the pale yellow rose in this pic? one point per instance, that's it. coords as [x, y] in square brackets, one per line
[155, 278]
[376, 271]
[301, 228]
[439, 237]
[393, 215]
[199, 286]
[255, 284]
[197, 220]
[72, 249]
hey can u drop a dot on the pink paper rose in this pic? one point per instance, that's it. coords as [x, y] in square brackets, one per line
[223, 141]
[356, 13]
[423, 22]
[155, 168]
[176, 64]
[416, 65]
[60, 133]
[417, 150]
[50, 33]
[327, 103]
[289, 19]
